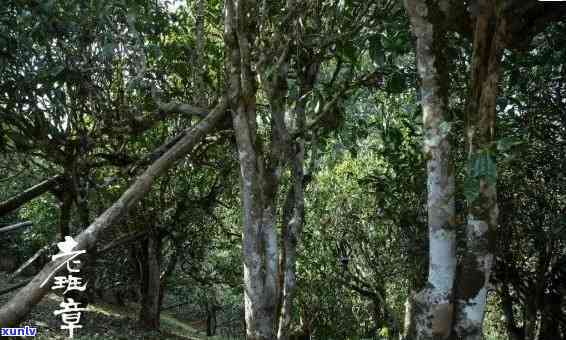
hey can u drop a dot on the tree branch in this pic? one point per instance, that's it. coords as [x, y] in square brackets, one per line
[15, 226]
[27, 195]
[123, 240]
[21, 303]
[176, 107]
[30, 260]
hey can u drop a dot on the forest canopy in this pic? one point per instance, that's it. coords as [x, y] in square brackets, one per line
[284, 169]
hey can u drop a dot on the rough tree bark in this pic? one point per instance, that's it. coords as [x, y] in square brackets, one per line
[261, 168]
[17, 308]
[475, 268]
[496, 25]
[292, 227]
[433, 307]
[257, 183]
[294, 209]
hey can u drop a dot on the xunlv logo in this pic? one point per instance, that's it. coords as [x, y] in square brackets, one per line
[21, 331]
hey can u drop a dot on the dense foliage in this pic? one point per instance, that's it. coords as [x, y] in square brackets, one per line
[93, 93]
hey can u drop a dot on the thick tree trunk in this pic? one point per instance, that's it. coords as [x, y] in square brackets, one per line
[20, 305]
[475, 269]
[258, 184]
[260, 247]
[261, 168]
[259, 237]
[27, 195]
[433, 305]
[151, 283]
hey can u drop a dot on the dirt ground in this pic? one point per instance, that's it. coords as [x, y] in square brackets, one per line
[100, 321]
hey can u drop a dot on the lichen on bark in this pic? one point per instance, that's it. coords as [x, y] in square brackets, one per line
[433, 305]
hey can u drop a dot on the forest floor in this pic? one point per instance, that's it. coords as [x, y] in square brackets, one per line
[101, 321]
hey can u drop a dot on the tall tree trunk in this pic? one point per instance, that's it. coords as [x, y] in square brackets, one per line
[292, 230]
[258, 182]
[433, 308]
[262, 165]
[151, 283]
[260, 234]
[259, 238]
[294, 210]
[475, 269]
[293, 221]
[17, 308]
[418, 279]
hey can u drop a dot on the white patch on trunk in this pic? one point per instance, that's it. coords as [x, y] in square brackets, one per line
[475, 308]
[442, 269]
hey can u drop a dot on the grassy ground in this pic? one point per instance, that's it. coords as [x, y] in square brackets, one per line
[102, 321]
